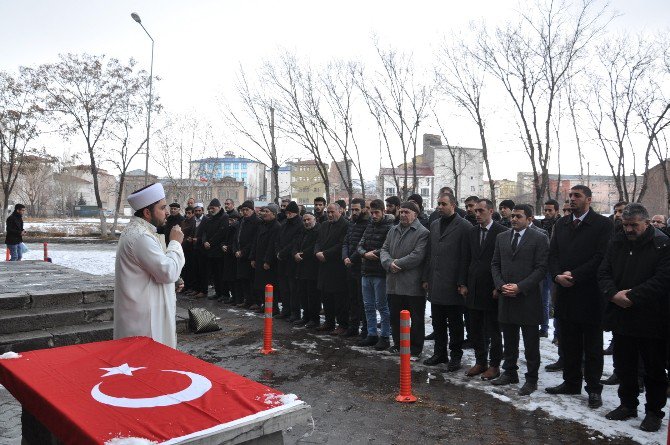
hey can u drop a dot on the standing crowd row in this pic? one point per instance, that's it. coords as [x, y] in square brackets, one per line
[491, 274]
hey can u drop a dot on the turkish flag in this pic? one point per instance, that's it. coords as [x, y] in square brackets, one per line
[133, 387]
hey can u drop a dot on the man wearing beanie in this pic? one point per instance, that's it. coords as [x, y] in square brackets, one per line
[423, 218]
[505, 208]
[243, 247]
[264, 257]
[286, 265]
[441, 277]
[175, 219]
[360, 219]
[213, 233]
[402, 257]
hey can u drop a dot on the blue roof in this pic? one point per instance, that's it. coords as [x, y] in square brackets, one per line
[223, 160]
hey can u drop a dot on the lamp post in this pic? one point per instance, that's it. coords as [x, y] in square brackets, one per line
[136, 17]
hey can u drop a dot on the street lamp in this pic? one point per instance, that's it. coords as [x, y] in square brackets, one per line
[136, 17]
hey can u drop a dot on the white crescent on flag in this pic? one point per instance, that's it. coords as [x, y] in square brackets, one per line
[198, 387]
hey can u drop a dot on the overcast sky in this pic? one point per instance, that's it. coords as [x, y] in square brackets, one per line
[200, 45]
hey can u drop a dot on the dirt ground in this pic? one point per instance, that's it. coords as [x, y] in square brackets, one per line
[352, 392]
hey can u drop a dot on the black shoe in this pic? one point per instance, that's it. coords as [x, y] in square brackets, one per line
[368, 341]
[611, 380]
[467, 344]
[595, 400]
[553, 367]
[436, 359]
[279, 316]
[621, 413]
[544, 333]
[651, 423]
[563, 388]
[382, 344]
[364, 334]
[300, 322]
[394, 349]
[312, 324]
[608, 350]
[351, 332]
[528, 388]
[454, 365]
[430, 336]
[293, 319]
[214, 297]
[505, 379]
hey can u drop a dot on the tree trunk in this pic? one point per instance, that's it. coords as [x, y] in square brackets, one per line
[485, 155]
[117, 208]
[96, 189]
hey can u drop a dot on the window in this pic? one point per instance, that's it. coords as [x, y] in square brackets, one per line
[243, 165]
[425, 191]
[236, 166]
[472, 188]
[390, 191]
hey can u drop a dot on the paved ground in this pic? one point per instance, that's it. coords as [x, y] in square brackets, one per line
[351, 393]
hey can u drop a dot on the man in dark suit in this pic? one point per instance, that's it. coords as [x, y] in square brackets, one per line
[243, 247]
[214, 231]
[519, 265]
[332, 280]
[578, 245]
[481, 296]
[443, 263]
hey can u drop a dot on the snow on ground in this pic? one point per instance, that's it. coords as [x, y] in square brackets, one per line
[96, 259]
[572, 408]
[69, 226]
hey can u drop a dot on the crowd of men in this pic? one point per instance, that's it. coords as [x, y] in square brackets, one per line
[491, 274]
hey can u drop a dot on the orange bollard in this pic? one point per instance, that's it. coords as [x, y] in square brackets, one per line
[405, 395]
[267, 332]
[46, 252]
[7, 257]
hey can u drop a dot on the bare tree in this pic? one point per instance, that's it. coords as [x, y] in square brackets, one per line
[397, 100]
[255, 124]
[625, 65]
[84, 93]
[19, 119]
[533, 60]
[462, 77]
[35, 184]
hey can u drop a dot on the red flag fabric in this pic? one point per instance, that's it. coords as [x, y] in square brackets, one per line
[133, 387]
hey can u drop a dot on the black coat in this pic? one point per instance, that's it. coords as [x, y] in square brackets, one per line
[14, 229]
[373, 239]
[548, 225]
[643, 266]
[321, 217]
[244, 243]
[351, 240]
[170, 222]
[188, 227]
[214, 230]
[332, 272]
[308, 268]
[229, 260]
[437, 215]
[263, 252]
[287, 236]
[476, 268]
[579, 251]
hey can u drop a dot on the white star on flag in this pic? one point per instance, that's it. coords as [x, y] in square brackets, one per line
[122, 369]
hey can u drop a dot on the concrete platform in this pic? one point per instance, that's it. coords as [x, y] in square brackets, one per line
[44, 305]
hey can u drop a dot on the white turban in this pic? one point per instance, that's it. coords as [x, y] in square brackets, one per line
[199, 204]
[148, 195]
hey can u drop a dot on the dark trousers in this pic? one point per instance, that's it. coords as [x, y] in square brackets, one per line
[335, 307]
[652, 352]
[486, 337]
[356, 313]
[246, 292]
[531, 346]
[215, 273]
[288, 291]
[582, 340]
[201, 275]
[416, 305]
[310, 300]
[448, 317]
[188, 272]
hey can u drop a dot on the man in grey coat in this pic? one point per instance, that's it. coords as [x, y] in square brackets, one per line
[402, 256]
[519, 265]
[441, 280]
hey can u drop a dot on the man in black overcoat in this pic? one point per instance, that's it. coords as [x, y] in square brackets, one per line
[577, 247]
[243, 245]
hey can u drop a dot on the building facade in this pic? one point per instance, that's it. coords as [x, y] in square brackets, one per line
[306, 182]
[657, 198]
[248, 171]
[386, 184]
[284, 176]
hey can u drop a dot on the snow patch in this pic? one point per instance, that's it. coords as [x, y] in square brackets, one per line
[8, 355]
[279, 399]
[130, 441]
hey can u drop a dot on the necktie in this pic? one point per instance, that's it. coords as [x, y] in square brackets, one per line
[515, 241]
[483, 236]
[576, 222]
